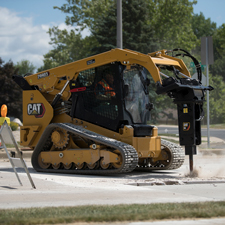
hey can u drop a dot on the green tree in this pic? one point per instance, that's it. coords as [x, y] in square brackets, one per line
[148, 25]
[205, 27]
[11, 94]
[202, 26]
[67, 47]
[169, 19]
[217, 99]
[217, 80]
[172, 23]
[24, 67]
[218, 67]
[137, 33]
[83, 13]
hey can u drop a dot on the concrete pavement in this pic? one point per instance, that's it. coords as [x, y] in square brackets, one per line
[136, 187]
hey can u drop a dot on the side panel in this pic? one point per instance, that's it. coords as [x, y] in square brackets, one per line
[37, 114]
[147, 147]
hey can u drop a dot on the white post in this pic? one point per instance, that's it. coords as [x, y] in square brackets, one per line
[207, 76]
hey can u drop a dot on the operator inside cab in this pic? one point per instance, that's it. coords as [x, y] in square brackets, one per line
[105, 88]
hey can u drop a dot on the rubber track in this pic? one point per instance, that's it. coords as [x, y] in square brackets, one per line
[177, 159]
[128, 152]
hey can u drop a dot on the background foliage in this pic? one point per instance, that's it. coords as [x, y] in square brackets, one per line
[11, 95]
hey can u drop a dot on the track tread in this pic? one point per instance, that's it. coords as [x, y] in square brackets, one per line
[177, 159]
[129, 154]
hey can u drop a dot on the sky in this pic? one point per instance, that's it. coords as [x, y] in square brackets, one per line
[24, 25]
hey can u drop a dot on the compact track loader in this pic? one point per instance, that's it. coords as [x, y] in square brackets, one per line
[73, 126]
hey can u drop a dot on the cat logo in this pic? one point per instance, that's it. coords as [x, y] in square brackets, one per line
[36, 109]
[186, 126]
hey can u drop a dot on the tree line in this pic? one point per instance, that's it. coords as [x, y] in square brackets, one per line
[148, 26]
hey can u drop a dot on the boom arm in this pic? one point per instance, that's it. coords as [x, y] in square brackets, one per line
[47, 80]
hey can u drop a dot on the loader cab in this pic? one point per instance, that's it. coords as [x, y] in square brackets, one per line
[111, 96]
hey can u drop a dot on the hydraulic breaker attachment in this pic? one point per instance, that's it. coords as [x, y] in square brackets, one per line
[188, 95]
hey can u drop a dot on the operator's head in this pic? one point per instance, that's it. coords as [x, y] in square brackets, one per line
[109, 78]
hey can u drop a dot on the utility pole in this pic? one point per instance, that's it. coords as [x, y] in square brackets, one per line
[119, 24]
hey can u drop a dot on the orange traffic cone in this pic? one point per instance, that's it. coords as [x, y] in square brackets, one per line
[3, 117]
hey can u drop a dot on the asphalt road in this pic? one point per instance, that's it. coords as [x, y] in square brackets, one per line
[219, 133]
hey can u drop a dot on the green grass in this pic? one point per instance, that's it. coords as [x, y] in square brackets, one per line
[12, 145]
[171, 140]
[106, 213]
[168, 134]
[167, 137]
[217, 126]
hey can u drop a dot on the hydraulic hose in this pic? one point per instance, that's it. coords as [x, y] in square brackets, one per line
[197, 64]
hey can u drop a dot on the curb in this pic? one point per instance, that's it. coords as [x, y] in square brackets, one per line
[175, 182]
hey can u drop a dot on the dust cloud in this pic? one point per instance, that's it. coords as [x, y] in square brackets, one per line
[207, 166]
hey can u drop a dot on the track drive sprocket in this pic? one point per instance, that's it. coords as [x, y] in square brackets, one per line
[60, 138]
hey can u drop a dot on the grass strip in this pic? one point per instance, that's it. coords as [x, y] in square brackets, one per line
[168, 135]
[217, 126]
[135, 212]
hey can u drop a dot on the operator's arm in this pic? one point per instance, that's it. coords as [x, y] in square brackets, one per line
[103, 94]
[100, 90]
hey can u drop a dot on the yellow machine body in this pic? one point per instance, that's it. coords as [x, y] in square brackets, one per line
[68, 151]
